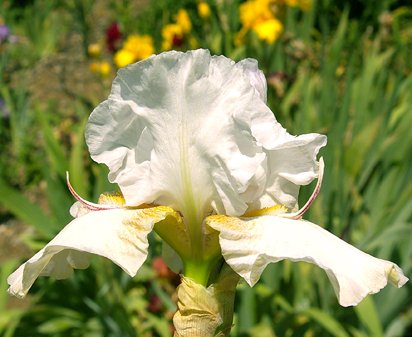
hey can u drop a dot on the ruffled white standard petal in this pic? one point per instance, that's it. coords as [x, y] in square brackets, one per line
[188, 130]
[291, 163]
[256, 77]
[119, 235]
[249, 245]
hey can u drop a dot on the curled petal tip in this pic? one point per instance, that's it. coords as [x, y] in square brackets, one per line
[298, 215]
[87, 204]
[396, 276]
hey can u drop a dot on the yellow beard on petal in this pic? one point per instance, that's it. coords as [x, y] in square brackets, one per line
[273, 210]
[114, 198]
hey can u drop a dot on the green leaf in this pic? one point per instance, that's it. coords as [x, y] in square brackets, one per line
[9, 320]
[161, 326]
[56, 325]
[354, 156]
[283, 304]
[247, 308]
[164, 297]
[6, 269]
[58, 197]
[55, 151]
[78, 174]
[18, 204]
[262, 330]
[399, 325]
[367, 314]
[326, 321]
[357, 333]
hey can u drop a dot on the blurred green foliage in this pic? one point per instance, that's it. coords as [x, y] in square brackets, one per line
[339, 68]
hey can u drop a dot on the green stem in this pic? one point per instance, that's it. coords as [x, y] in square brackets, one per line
[198, 271]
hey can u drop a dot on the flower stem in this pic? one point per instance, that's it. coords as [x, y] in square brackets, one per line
[198, 271]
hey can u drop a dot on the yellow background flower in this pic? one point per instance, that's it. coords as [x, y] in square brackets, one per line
[183, 20]
[140, 45]
[268, 30]
[102, 68]
[203, 9]
[135, 48]
[170, 33]
[123, 57]
[94, 49]
[174, 34]
[257, 15]
[253, 12]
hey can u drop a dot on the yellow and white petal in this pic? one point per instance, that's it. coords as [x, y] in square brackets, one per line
[250, 244]
[119, 235]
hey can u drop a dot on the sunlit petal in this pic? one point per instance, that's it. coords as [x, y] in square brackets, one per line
[257, 78]
[192, 131]
[291, 163]
[250, 244]
[119, 235]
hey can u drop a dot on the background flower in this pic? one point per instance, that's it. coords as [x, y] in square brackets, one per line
[113, 36]
[4, 33]
[203, 10]
[135, 48]
[176, 35]
[259, 16]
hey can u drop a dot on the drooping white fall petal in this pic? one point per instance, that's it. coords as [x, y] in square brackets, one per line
[250, 244]
[192, 131]
[119, 235]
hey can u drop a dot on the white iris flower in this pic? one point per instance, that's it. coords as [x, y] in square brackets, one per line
[200, 159]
